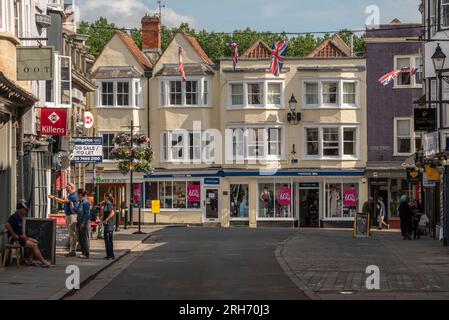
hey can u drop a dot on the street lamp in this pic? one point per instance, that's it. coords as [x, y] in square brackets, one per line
[293, 117]
[439, 59]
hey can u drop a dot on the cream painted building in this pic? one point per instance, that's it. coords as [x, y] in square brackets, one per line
[225, 152]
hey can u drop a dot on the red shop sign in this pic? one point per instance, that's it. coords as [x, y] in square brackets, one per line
[53, 122]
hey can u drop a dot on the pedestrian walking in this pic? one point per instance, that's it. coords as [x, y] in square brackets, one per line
[382, 213]
[83, 225]
[417, 214]
[406, 216]
[70, 205]
[107, 216]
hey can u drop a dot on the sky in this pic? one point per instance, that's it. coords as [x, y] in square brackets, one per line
[261, 15]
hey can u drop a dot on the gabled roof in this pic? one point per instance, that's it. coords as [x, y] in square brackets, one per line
[330, 48]
[197, 47]
[259, 50]
[129, 42]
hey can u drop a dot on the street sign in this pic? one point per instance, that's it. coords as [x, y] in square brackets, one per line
[156, 206]
[87, 150]
[425, 120]
[88, 120]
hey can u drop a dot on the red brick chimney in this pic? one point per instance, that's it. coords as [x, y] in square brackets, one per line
[151, 36]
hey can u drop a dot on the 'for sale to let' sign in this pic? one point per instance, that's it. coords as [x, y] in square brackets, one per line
[87, 150]
[53, 122]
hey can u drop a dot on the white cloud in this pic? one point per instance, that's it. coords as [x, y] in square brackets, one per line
[128, 13]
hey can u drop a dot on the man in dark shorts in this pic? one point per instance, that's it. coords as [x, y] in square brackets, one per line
[15, 231]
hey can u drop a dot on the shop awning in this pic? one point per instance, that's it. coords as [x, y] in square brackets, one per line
[10, 91]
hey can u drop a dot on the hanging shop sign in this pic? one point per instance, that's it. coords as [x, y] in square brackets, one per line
[53, 122]
[430, 144]
[35, 63]
[425, 119]
[87, 150]
[413, 175]
[88, 120]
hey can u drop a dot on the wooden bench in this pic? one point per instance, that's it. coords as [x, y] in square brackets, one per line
[9, 248]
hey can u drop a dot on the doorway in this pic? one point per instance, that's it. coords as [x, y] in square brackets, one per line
[211, 211]
[309, 207]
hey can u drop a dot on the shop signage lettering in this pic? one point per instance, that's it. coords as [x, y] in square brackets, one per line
[413, 175]
[433, 174]
[53, 122]
[35, 63]
[350, 198]
[430, 144]
[87, 150]
[285, 197]
[194, 194]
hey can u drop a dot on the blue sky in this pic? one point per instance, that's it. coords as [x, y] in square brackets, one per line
[262, 15]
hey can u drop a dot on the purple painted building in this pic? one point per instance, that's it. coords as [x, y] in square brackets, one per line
[391, 137]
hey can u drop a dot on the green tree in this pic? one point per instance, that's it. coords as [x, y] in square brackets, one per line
[99, 32]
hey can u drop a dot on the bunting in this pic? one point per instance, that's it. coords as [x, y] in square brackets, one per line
[235, 46]
[181, 64]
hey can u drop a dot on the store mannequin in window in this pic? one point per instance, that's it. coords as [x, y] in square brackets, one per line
[266, 200]
[334, 199]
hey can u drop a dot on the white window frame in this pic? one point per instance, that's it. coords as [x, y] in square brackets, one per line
[164, 92]
[264, 103]
[56, 103]
[246, 157]
[341, 155]
[101, 134]
[340, 93]
[130, 93]
[167, 157]
[134, 83]
[412, 137]
[413, 61]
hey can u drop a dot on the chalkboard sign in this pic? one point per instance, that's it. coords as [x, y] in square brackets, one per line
[44, 231]
[362, 225]
[62, 232]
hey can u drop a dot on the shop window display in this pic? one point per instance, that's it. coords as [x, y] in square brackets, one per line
[179, 195]
[239, 201]
[275, 200]
[342, 200]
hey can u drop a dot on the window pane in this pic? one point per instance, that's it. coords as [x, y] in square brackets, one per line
[191, 92]
[255, 93]
[175, 93]
[444, 13]
[331, 142]
[283, 201]
[179, 195]
[349, 92]
[239, 201]
[403, 128]
[238, 144]
[419, 73]
[330, 92]
[404, 145]
[65, 81]
[274, 93]
[266, 200]
[349, 137]
[107, 93]
[123, 93]
[312, 93]
[205, 92]
[312, 141]
[274, 142]
[237, 94]
[334, 200]
[404, 77]
[177, 146]
[350, 199]
[150, 193]
[166, 194]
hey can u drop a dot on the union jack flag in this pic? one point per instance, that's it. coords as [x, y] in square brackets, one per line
[181, 64]
[391, 76]
[278, 53]
[235, 46]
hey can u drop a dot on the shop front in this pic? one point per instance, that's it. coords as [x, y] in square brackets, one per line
[249, 199]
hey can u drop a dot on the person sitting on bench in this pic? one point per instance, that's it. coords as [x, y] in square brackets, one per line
[15, 231]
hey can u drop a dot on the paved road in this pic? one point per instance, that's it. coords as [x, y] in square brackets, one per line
[207, 263]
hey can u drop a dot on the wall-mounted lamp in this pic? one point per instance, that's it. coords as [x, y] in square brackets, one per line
[293, 117]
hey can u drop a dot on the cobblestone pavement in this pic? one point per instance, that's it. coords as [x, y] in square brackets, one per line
[329, 264]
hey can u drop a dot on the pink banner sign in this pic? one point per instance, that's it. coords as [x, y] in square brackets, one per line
[350, 198]
[194, 195]
[285, 197]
